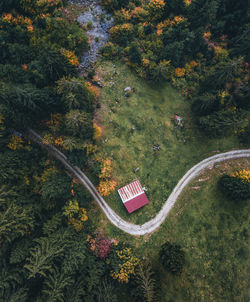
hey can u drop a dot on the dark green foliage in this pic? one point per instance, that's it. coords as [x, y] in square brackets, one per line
[223, 72]
[79, 124]
[234, 188]
[45, 252]
[245, 136]
[134, 54]
[10, 164]
[205, 104]
[223, 122]
[20, 250]
[172, 257]
[54, 287]
[51, 225]
[15, 221]
[242, 98]
[106, 292]
[174, 7]
[75, 94]
[50, 66]
[57, 187]
[78, 158]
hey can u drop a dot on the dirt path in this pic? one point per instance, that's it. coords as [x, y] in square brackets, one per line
[153, 224]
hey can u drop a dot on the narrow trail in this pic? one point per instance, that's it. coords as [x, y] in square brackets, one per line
[153, 224]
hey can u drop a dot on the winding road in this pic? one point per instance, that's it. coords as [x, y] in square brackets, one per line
[153, 224]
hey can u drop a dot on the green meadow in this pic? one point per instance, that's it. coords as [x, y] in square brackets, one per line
[132, 125]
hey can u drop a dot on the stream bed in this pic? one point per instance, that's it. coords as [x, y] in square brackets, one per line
[99, 21]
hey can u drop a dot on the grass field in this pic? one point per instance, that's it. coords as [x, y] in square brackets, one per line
[214, 233]
[149, 111]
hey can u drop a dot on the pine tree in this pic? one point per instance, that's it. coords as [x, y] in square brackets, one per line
[54, 286]
[43, 254]
[146, 281]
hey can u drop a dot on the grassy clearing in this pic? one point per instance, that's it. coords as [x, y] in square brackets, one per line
[149, 110]
[214, 233]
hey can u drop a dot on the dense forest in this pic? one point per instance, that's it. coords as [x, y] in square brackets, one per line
[49, 248]
[201, 47]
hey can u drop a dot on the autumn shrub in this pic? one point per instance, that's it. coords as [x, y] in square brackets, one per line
[105, 187]
[94, 90]
[103, 247]
[123, 264]
[97, 131]
[109, 50]
[16, 142]
[76, 216]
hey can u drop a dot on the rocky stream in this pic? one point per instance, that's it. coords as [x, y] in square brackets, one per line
[98, 22]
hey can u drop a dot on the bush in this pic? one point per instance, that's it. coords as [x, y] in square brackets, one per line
[235, 188]
[223, 122]
[245, 136]
[172, 257]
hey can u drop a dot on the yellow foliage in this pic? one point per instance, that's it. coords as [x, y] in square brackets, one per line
[145, 62]
[59, 141]
[54, 122]
[75, 214]
[126, 14]
[48, 139]
[170, 22]
[15, 143]
[156, 4]
[106, 186]
[48, 2]
[222, 94]
[95, 91]
[193, 63]
[244, 175]
[106, 168]
[116, 30]
[19, 20]
[159, 32]
[187, 2]
[139, 13]
[70, 56]
[207, 35]
[27, 181]
[30, 28]
[179, 72]
[97, 131]
[91, 149]
[126, 267]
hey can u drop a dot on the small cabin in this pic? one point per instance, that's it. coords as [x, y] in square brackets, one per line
[133, 196]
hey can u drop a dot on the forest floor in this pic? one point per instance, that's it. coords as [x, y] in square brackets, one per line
[132, 125]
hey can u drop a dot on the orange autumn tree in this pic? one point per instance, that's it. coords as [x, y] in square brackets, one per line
[106, 184]
[94, 90]
[156, 9]
[97, 131]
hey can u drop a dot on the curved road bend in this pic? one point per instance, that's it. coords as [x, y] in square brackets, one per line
[153, 224]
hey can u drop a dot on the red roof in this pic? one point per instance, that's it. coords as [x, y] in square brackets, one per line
[133, 196]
